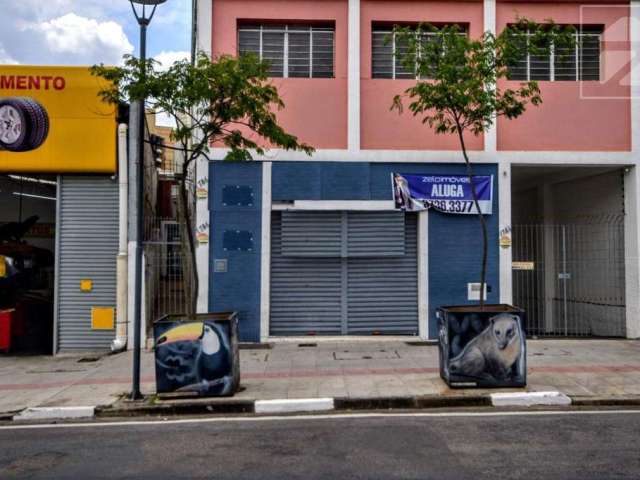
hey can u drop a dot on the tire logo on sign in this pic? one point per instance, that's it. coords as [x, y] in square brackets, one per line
[24, 124]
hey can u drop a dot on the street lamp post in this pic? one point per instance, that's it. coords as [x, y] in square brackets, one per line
[144, 13]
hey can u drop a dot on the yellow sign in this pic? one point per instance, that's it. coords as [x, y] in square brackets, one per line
[522, 265]
[86, 285]
[102, 318]
[3, 267]
[52, 120]
[505, 240]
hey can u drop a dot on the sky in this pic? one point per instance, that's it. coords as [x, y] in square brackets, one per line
[88, 32]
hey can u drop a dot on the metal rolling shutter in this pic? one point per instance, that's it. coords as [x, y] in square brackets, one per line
[305, 291]
[87, 249]
[367, 283]
[382, 291]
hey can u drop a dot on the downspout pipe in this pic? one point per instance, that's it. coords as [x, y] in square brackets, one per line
[119, 343]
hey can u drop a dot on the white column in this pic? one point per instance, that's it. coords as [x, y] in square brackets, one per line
[204, 26]
[203, 219]
[265, 255]
[632, 186]
[631, 250]
[490, 136]
[423, 275]
[504, 221]
[353, 75]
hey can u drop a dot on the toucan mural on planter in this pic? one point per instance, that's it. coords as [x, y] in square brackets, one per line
[198, 356]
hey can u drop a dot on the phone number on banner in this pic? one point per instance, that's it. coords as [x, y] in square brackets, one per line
[452, 206]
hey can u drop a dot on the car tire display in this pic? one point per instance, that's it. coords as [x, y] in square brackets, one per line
[24, 124]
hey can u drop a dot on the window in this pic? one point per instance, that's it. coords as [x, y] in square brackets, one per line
[388, 52]
[580, 62]
[301, 51]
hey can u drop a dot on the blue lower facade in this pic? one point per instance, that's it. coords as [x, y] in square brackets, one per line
[235, 203]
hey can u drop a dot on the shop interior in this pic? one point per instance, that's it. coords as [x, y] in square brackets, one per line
[27, 253]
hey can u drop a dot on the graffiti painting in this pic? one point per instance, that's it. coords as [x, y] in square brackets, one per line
[482, 348]
[196, 357]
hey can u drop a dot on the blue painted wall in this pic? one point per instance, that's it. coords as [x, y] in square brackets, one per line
[454, 240]
[239, 288]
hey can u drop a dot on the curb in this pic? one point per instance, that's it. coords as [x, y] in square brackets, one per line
[230, 405]
[55, 413]
[177, 407]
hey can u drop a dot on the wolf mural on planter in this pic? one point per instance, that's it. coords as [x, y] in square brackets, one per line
[194, 357]
[485, 349]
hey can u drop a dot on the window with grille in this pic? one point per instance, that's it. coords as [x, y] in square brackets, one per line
[388, 51]
[578, 62]
[301, 51]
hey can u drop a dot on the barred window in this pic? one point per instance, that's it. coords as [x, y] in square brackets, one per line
[388, 51]
[575, 63]
[301, 51]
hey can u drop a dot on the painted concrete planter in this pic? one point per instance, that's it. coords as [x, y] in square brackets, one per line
[482, 348]
[197, 355]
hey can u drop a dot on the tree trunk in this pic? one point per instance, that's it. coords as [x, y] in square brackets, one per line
[187, 242]
[483, 223]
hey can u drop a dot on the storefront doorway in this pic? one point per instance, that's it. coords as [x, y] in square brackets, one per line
[27, 253]
[344, 273]
[568, 250]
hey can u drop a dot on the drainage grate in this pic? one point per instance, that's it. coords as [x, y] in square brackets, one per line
[88, 359]
[303, 345]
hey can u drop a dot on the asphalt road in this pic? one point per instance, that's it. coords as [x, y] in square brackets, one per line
[568, 446]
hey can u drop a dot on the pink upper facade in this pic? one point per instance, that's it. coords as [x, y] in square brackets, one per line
[574, 116]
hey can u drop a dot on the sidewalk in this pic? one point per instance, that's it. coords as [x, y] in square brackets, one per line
[342, 370]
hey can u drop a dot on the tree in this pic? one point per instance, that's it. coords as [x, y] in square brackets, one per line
[457, 88]
[225, 101]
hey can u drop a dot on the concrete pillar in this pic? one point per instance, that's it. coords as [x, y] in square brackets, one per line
[632, 187]
[490, 136]
[353, 88]
[506, 253]
[631, 250]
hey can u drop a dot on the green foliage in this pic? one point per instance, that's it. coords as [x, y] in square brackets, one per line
[226, 100]
[458, 77]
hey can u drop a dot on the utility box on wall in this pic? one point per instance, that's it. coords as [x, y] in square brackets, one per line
[482, 347]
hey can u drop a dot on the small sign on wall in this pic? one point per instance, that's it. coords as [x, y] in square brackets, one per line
[522, 265]
[102, 318]
[86, 285]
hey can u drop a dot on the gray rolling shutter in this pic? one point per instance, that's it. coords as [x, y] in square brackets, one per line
[382, 292]
[87, 249]
[375, 234]
[349, 273]
[311, 234]
[305, 291]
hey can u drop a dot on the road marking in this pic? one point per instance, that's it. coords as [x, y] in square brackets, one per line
[285, 418]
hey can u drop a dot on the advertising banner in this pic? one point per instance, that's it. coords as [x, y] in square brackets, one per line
[53, 121]
[444, 193]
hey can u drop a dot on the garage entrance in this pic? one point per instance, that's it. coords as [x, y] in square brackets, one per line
[344, 273]
[27, 253]
[568, 250]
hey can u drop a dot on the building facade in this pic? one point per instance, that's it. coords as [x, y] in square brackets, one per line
[313, 246]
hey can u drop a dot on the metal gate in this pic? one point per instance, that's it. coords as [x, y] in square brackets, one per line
[570, 279]
[349, 273]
